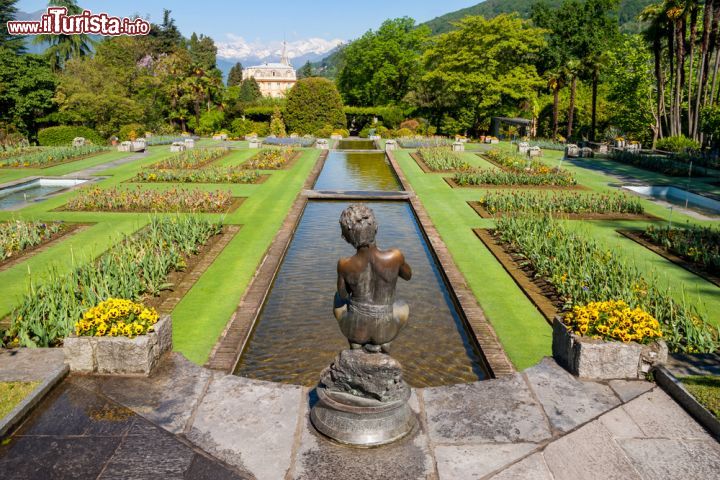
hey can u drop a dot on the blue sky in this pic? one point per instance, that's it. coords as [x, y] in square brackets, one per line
[241, 25]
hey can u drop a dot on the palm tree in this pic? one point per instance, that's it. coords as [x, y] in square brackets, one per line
[64, 47]
[571, 70]
[556, 81]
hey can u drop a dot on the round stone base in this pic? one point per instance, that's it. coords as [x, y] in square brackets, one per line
[364, 423]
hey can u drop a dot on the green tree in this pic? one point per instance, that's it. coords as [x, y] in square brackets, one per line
[313, 103]
[64, 47]
[7, 14]
[235, 76]
[167, 38]
[277, 126]
[306, 71]
[382, 67]
[484, 68]
[203, 51]
[249, 91]
[27, 86]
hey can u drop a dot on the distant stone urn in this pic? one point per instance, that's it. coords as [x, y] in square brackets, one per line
[362, 395]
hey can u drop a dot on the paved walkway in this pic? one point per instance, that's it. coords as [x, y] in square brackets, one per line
[106, 166]
[541, 423]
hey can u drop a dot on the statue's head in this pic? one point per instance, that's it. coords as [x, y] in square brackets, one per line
[358, 225]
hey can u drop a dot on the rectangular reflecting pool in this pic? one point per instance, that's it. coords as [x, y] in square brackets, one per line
[356, 144]
[357, 171]
[296, 335]
[34, 190]
[679, 197]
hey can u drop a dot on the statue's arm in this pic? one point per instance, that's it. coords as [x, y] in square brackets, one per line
[341, 287]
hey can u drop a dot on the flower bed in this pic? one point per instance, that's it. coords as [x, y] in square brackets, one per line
[521, 163]
[698, 245]
[17, 235]
[205, 175]
[17, 151]
[481, 177]
[46, 157]
[581, 271]
[301, 142]
[418, 141]
[191, 159]
[560, 203]
[273, 159]
[441, 159]
[149, 200]
[134, 269]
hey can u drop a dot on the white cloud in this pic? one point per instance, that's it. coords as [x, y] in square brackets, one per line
[237, 47]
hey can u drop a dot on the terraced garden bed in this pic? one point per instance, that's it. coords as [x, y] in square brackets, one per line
[439, 160]
[143, 267]
[457, 183]
[21, 239]
[149, 200]
[41, 157]
[709, 269]
[571, 206]
[220, 175]
[559, 269]
[273, 159]
[191, 159]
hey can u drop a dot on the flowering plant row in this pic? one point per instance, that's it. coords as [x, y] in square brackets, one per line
[133, 269]
[17, 235]
[48, 156]
[521, 163]
[205, 175]
[302, 142]
[655, 163]
[116, 317]
[544, 203]
[190, 159]
[583, 271]
[271, 159]
[613, 320]
[420, 141]
[700, 245]
[149, 200]
[481, 176]
[442, 159]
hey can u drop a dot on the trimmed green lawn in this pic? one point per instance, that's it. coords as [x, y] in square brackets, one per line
[706, 390]
[12, 393]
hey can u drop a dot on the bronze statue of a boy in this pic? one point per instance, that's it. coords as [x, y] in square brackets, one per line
[364, 303]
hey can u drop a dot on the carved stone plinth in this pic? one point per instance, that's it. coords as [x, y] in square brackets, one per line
[363, 400]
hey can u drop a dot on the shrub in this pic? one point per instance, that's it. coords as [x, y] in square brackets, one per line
[313, 103]
[325, 132]
[343, 132]
[211, 122]
[676, 144]
[131, 131]
[410, 124]
[277, 126]
[403, 132]
[64, 135]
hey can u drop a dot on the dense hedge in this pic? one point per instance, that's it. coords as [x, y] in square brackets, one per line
[64, 135]
[312, 104]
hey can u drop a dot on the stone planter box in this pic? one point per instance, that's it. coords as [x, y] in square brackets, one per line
[601, 360]
[390, 145]
[572, 151]
[458, 147]
[189, 143]
[178, 147]
[119, 355]
[335, 137]
[254, 144]
[322, 144]
[221, 137]
[523, 147]
[534, 152]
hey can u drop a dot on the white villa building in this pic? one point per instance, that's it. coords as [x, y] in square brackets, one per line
[274, 79]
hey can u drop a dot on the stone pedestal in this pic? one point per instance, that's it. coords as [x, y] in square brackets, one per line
[363, 400]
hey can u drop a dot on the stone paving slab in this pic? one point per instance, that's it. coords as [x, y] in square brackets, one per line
[477, 461]
[29, 364]
[630, 389]
[249, 424]
[588, 453]
[167, 398]
[658, 415]
[568, 402]
[77, 433]
[530, 468]
[495, 411]
[661, 458]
